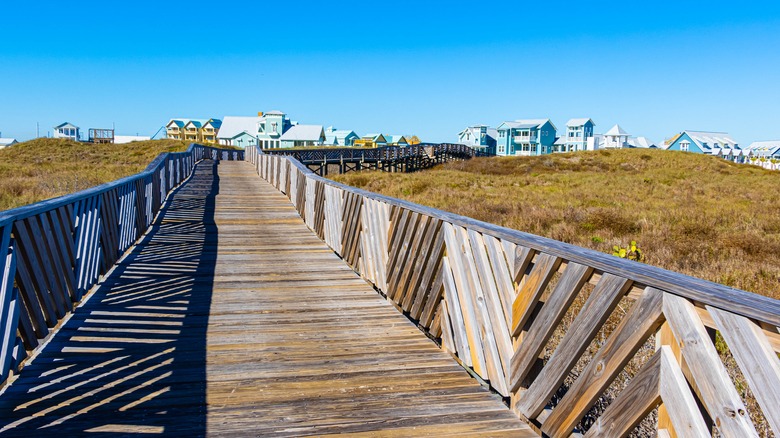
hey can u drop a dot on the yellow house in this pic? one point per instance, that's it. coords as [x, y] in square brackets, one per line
[371, 141]
[194, 130]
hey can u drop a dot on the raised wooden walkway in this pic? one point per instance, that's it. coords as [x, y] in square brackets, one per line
[232, 318]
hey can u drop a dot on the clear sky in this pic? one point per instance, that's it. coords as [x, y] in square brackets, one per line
[411, 67]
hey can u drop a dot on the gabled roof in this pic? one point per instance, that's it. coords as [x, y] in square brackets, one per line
[376, 138]
[236, 125]
[394, 138]
[616, 130]
[7, 141]
[274, 113]
[66, 125]
[641, 142]
[178, 122]
[707, 140]
[579, 122]
[338, 134]
[215, 123]
[560, 141]
[765, 147]
[303, 133]
[198, 123]
[527, 123]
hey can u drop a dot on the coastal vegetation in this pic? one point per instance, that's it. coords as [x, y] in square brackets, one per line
[49, 167]
[690, 213]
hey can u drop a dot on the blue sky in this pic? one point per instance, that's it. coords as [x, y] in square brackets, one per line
[425, 68]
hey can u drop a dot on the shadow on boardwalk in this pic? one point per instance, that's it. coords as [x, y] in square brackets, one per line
[133, 358]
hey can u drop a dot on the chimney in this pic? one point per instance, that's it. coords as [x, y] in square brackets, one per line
[259, 114]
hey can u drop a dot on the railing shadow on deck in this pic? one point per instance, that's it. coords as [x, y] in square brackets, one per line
[132, 359]
[576, 340]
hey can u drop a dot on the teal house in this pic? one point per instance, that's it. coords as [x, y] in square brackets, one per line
[526, 137]
[340, 137]
[271, 127]
[702, 142]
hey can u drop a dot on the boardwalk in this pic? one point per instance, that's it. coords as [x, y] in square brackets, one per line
[232, 318]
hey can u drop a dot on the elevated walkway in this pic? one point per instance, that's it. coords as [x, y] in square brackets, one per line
[232, 318]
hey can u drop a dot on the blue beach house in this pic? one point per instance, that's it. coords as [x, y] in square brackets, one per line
[479, 137]
[702, 142]
[526, 137]
[340, 137]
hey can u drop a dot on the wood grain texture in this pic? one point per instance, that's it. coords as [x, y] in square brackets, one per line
[710, 378]
[756, 358]
[642, 320]
[574, 277]
[231, 318]
[597, 308]
[531, 290]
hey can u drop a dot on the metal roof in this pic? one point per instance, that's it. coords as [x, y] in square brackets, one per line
[235, 125]
[303, 133]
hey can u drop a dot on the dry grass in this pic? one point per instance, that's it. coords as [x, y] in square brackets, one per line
[46, 168]
[689, 213]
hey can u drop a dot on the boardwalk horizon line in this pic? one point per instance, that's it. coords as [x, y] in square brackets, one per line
[251, 306]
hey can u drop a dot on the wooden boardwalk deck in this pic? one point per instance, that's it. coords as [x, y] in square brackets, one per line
[232, 318]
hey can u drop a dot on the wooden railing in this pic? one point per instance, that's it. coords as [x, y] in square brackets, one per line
[54, 251]
[384, 153]
[576, 340]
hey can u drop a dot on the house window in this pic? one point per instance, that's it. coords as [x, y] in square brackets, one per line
[684, 146]
[501, 149]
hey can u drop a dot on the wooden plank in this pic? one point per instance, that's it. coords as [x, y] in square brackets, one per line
[531, 290]
[522, 258]
[502, 274]
[660, 379]
[33, 285]
[414, 252]
[454, 308]
[491, 304]
[51, 249]
[574, 277]
[633, 404]
[434, 295]
[756, 358]
[428, 291]
[395, 244]
[710, 378]
[642, 320]
[32, 237]
[413, 292]
[466, 300]
[494, 366]
[681, 406]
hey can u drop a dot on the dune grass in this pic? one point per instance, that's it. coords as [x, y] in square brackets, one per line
[45, 168]
[689, 213]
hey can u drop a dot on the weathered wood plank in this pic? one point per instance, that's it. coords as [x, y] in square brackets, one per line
[531, 290]
[602, 301]
[645, 316]
[756, 358]
[574, 277]
[710, 378]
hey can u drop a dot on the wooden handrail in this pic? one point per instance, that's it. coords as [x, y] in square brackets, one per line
[494, 297]
[54, 251]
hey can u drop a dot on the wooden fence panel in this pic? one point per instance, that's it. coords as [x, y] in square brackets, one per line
[496, 297]
[53, 252]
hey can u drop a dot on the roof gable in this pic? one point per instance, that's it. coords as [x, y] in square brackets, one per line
[580, 122]
[304, 133]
